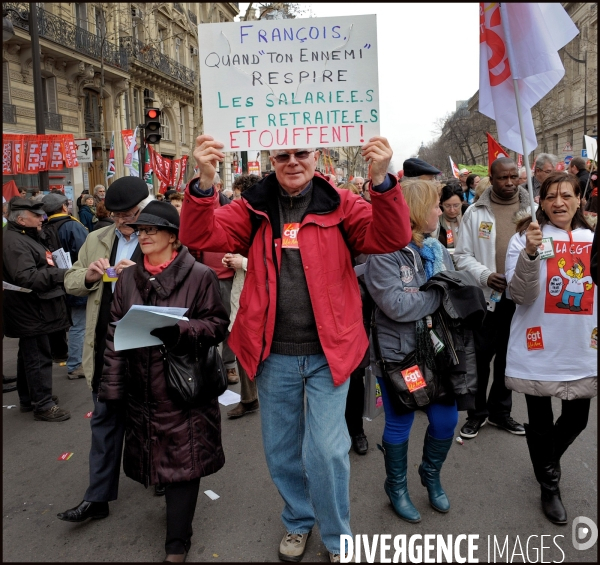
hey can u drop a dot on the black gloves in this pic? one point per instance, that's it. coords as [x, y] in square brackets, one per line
[169, 335]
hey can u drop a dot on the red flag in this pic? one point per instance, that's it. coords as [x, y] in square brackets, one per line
[494, 151]
[181, 182]
[9, 190]
[7, 156]
[519, 161]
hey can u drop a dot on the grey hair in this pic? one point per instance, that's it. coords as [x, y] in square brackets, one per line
[145, 202]
[217, 179]
[361, 178]
[14, 214]
[522, 170]
[99, 186]
[544, 158]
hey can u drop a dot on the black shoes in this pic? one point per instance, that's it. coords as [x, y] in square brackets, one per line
[360, 444]
[471, 427]
[552, 505]
[159, 490]
[508, 424]
[8, 387]
[85, 510]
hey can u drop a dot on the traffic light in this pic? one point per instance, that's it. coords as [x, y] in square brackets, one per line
[152, 125]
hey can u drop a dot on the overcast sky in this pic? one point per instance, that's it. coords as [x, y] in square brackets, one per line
[428, 59]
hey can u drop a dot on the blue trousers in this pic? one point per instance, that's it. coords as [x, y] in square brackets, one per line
[442, 420]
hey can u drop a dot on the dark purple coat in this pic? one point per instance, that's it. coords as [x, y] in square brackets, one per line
[165, 443]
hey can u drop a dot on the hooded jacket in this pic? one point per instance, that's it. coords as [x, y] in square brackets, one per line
[335, 222]
[25, 264]
[165, 442]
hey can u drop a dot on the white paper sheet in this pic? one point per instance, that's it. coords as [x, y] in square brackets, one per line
[62, 259]
[8, 286]
[211, 494]
[133, 330]
[229, 397]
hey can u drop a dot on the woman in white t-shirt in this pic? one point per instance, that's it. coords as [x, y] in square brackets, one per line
[552, 348]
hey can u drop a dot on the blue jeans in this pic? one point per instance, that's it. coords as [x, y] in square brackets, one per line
[307, 449]
[442, 420]
[76, 336]
[577, 296]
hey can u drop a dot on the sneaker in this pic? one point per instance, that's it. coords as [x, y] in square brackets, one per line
[334, 557]
[232, 377]
[29, 407]
[242, 409]
[55, 414]
[76, 374]
[292, 546]
[471, 427]
[508, 424]
[59, 360]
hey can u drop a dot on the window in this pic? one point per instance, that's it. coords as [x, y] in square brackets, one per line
[161, 39]
[5, 83]
[165, 130]
[49, 92]
[177, 49]
[182, 128]
[100, 22]
[126, 110]
[136, 107]
[570, 137]
[555, 143]
[81, 18]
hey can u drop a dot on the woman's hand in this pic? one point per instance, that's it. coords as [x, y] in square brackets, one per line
[207, 154]
[533, 238]
[233, 261]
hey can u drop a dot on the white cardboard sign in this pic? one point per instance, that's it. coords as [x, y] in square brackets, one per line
[84, 150]
[306, 82]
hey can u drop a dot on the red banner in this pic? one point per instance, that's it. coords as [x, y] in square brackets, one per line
[175, 171]
[7, 157]
[9, 190]
[181, 182]
[494, 151]
[31, 154]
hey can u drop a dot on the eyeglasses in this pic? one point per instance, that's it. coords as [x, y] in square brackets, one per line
[152, 230]
[451, 206]
[285, 157]
[121, 216]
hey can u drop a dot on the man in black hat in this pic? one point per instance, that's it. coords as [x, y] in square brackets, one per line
[114, 247]
[64, 231]
[418, 169]
[35, 313]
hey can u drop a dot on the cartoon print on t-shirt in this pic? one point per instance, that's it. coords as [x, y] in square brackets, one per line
[573, 288]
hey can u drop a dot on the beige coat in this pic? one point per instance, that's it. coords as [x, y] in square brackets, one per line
[98, 244]
[524, 288]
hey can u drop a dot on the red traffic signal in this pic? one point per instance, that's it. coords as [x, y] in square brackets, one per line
[152, 125]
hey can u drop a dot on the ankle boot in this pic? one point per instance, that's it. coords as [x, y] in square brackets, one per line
[434, 455]
[547, 472]
[395, 485]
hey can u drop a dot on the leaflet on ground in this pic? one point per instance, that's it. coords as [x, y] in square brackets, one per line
[133, 329]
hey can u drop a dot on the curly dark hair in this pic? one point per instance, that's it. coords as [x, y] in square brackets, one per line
[244, 182]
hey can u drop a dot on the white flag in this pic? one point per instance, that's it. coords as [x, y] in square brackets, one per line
[535, 34]
[455, 170]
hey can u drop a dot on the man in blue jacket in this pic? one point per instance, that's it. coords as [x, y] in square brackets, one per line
[63, 230]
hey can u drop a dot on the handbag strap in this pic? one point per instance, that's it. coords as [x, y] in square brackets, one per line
[379, 356]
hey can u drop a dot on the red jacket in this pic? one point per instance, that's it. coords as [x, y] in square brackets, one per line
[334, 221]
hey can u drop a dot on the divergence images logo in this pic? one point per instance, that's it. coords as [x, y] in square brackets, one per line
[582, 527]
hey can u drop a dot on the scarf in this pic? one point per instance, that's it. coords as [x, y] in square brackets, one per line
[157, 269]
[431, 254]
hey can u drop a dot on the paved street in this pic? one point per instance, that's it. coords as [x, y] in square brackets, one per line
[489, 481]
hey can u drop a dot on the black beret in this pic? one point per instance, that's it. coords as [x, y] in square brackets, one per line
[417, 167]
[26, 204]
[125, 193]
[160, 214]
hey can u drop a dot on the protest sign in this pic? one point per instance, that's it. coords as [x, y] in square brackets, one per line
[290, 83]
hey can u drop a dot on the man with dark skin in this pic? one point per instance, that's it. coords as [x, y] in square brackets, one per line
[486, 229]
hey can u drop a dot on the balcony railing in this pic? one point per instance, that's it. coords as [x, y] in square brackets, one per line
[9, 114]
[60, 31]
[53, 121]
[152, 57]
[193, 17]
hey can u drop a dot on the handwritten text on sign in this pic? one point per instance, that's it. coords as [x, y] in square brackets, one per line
[290, 83]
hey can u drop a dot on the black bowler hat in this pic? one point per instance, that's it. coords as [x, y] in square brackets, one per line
[26, 204]
[417, 167]
[125, 193]
[159, 214]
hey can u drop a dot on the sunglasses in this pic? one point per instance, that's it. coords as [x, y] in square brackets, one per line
[152, 230]
[285, 157]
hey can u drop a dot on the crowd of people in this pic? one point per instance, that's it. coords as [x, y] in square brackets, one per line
[304, 284]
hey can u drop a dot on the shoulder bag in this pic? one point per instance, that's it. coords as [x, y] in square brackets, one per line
[196, 377]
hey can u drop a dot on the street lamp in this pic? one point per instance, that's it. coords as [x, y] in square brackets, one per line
[8, 33]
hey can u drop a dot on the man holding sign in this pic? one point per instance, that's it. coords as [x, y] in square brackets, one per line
[299, 328]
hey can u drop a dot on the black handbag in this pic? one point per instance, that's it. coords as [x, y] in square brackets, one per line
[196, 377]
[402, 399]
